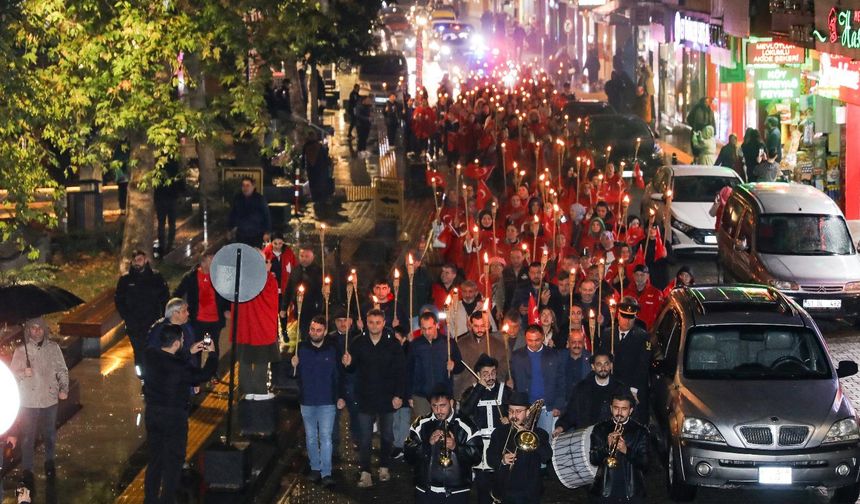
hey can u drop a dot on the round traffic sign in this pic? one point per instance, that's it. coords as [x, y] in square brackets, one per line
[252, 275]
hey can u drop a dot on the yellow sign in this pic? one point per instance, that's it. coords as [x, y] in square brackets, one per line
[388, 198]
[240, 172]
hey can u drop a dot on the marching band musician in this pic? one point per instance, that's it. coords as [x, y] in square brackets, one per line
[442, 447]
[619, 449]
[486, 405]
[517, 473]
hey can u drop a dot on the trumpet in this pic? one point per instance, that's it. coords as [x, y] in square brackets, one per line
[444, 454]
[611, 460]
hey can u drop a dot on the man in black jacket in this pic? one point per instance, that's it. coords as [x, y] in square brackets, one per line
[517, 472]
[207, 310]
[588, 402]
[486, 405]
[167, 395]
[626, 441]
[442, 447]
[249, 215]
[140, 298]
[379, 364]
[308, 274]
[632, 359]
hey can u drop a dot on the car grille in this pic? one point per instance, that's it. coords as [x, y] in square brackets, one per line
[792, 435]
[757, 435]
[821, 289]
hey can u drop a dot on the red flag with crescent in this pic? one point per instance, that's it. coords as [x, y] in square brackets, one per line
[482, 195]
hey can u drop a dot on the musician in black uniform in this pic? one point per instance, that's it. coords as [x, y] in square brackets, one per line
[517, 472]
[442, 447]
[619, 449]
[632, 355]
[589, 401]
[486, 405]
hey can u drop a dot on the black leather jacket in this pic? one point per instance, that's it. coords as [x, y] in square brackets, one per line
[425, 457]
[631, 466]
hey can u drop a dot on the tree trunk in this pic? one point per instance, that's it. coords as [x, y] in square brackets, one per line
[313, 94]
[138, 232]
[292, 74]
[206, 154]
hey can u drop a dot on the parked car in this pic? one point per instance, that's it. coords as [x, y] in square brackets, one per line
[380, 74]
[582, 109]
[745, 395]
[792, 237]
[443, 14]
[621, 131]
[693, 188]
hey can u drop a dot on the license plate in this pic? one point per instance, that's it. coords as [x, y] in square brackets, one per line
[822, 303]
[774, 475]
[710, 240]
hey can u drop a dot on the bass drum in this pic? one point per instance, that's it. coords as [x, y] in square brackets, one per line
[570, 458]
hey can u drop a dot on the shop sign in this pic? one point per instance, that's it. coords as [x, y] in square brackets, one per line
[775, 53]
[777, 83]
[690, 30]
[839, 78]
[843, 28]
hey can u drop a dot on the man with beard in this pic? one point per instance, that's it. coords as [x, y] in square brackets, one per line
[632, 355]
[442, 447]
[626, 441]
[589, 401]
[548, 290]
[308, 274]
[586, 299]
[578, 362]
[485, 404]
[474, 343]
[140, 298]
[470, 301]
[515, 275]
[517, 472]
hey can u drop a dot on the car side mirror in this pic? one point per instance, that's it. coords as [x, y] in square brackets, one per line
[846, 368]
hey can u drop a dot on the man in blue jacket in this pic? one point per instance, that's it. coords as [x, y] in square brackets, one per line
[320, 383]
[428, 365]
[539, 372]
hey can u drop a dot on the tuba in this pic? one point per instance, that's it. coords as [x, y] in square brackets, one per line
[444, 454]
[611, 460]
[526, 440]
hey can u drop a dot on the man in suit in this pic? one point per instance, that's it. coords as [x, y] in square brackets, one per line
[538, 372]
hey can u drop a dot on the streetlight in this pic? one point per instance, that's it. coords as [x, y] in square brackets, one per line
[421, 21]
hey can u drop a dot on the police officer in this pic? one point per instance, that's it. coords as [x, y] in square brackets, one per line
[486, 405]
[442, 447]
[632, 355]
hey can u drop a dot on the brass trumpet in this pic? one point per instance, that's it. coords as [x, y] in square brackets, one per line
[611, 460]
[444, 454]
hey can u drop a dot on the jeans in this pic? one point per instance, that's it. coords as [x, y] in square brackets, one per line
[386, 432]
[319, 424]
[400, 425]
[42, 421]
[166, 437]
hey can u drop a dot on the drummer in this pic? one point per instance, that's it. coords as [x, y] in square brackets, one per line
[589, 400]
[517, 473]
[486, 405]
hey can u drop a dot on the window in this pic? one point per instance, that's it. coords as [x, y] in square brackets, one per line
[700, 189]
[746, 230]
[668, 335]
[731, 216]
[793, 234]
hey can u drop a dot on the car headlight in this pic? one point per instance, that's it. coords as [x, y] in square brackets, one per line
[782, 284]
[682, 226]
[852, 287]
[701, 430]
[842, 431]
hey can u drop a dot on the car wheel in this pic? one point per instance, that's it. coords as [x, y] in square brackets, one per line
[678, 490]
[845, 495]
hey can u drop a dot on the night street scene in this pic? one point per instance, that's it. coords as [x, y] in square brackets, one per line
[430, 252]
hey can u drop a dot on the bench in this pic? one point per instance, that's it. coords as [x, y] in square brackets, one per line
[97, 323]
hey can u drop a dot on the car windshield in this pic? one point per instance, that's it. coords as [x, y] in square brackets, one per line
[793, 234]
[751, 352]
[700, 189]
[383, 65]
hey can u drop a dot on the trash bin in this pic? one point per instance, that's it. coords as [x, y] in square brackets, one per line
[85, 206]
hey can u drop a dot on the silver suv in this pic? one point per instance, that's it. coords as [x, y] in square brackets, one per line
[745, 396]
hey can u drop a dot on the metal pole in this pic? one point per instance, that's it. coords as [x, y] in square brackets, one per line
[233, 346]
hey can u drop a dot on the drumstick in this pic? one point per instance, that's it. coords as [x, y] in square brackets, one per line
[501, 416]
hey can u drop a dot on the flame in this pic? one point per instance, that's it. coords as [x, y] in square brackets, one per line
[327, 280]
[301, 289]
[396, 273]
[486, 258]
[411, 260]
[506, 328]
[486, 305]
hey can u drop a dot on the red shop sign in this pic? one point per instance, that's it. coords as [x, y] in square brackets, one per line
[775, 53]
[839, 77]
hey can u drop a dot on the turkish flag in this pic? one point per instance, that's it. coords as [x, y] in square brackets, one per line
[637, 176]
[534, 317]
[431, 175]
[483, 195]
[474, 171]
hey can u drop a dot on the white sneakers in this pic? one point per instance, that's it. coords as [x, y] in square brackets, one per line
[259, 397]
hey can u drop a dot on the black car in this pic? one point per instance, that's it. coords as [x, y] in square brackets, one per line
[621, 132]
[381, 73]
[583, 109]
[745, 394]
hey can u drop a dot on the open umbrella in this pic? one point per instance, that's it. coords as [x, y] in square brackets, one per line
[24, 301]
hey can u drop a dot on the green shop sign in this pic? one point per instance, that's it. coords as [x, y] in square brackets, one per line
[841, 28]
[777, 83]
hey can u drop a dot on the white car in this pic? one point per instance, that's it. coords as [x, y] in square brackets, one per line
[694, 189]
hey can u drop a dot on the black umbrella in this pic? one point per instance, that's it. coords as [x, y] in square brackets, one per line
[24, 301]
